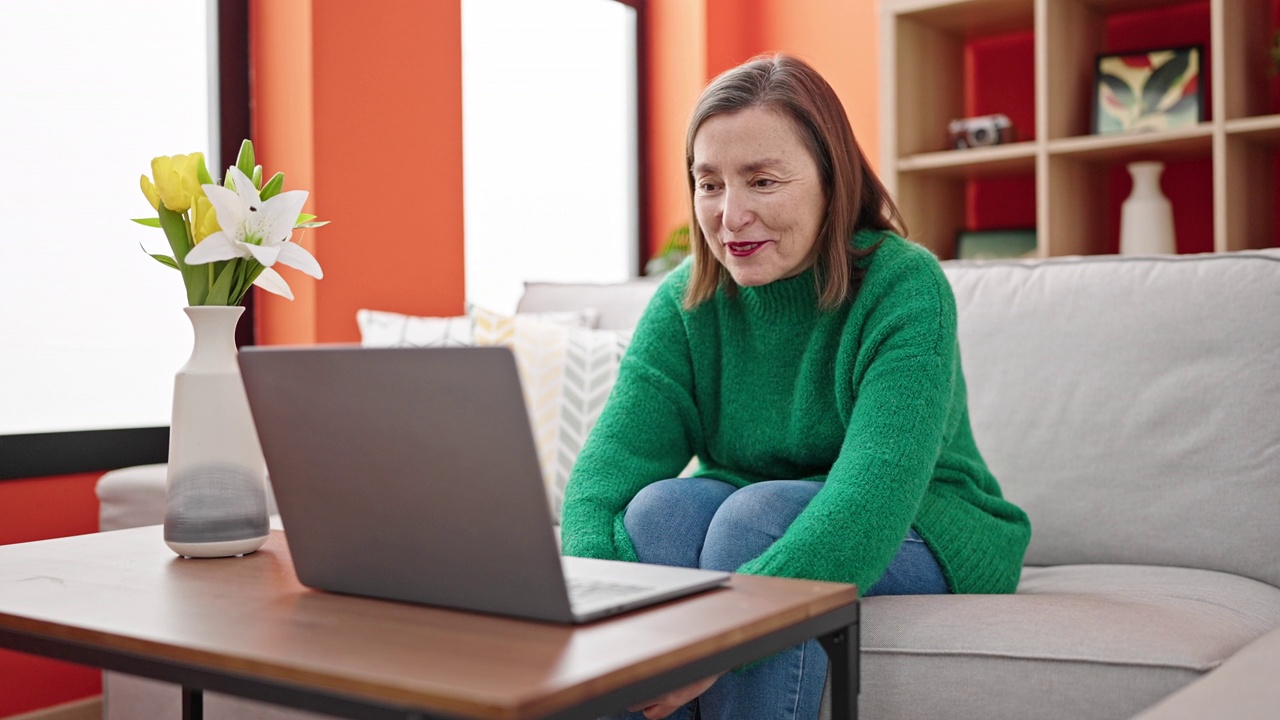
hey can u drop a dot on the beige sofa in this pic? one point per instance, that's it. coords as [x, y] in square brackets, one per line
[1132, 407]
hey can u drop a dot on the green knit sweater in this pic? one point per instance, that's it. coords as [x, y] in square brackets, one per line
[868, 398]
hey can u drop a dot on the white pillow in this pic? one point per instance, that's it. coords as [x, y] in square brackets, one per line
[389, 329]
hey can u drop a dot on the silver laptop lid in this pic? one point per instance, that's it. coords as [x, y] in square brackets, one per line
[408, 474]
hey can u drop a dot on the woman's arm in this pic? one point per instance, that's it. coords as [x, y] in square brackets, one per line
[647, 432]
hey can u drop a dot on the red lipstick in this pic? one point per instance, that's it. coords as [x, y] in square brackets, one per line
[744, 249]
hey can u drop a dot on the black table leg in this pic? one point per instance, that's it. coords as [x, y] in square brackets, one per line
[842, 649]
[192, 704]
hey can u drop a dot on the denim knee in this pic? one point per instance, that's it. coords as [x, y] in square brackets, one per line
[668, 519]
[751, 519]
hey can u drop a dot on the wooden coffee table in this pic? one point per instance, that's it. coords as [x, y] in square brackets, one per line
[245, 626]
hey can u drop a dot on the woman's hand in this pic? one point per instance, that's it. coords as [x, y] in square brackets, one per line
[663, 706]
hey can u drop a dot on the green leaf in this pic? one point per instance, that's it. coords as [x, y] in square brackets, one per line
[257, 177]
[1186, 104]
[312, 224]
[273, 187]
[165, 260]
[149, 222]
[175, 229]
[245, 160]
[220, 293]
[248, 272]
[305, 217]
[202, 173]
[1164, 78]
[1119, 87]
[162, 259]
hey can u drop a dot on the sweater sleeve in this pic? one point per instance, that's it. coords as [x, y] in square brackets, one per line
[647, 432]
[903, 382]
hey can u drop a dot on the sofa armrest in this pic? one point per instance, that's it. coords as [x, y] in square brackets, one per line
[131, 497]
[1242, 688]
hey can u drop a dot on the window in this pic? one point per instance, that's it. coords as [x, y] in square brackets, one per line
[550, 144]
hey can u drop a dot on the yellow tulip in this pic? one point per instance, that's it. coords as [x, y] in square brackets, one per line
[149, 190]
[177, 180]
[204, 221]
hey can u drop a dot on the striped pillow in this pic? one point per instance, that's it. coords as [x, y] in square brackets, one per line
[566, 373]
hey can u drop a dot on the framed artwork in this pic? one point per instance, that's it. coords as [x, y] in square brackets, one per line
[1145, 91]
[995, 244]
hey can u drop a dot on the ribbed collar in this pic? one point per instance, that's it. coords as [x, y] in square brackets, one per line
[793, 298]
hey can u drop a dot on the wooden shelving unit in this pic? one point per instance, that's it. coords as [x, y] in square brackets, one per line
[923, 85]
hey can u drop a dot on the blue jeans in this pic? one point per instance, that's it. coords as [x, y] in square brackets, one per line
[699, 522]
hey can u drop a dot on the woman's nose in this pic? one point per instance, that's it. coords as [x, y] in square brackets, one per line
[737, 213]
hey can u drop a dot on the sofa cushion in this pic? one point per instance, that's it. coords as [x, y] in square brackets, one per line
[1100, 641]
[1244, 688]
[1129, 405]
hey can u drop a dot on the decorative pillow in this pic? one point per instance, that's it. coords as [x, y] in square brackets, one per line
[388, 329]
[566, 373]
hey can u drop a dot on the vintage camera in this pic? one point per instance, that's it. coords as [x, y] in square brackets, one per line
[981, 131]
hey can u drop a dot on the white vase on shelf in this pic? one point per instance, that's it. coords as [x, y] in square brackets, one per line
[1146, 217]
[215, 490]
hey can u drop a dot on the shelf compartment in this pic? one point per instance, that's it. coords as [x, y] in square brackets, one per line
[974, 162]
[1251, 87]
[1192, 142]
[936, 71]
[1088, 190]
[969, 19]
[938, 204]
[1252, 181]
[1076, 32]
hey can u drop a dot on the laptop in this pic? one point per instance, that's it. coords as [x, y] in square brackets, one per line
[410, 474]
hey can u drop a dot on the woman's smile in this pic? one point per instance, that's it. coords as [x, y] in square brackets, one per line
[744, 248]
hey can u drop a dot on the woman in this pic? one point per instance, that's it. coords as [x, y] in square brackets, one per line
[808, 358]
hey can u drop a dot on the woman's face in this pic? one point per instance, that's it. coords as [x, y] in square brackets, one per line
[757, 194]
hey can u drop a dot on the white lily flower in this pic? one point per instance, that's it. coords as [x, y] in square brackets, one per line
[255, 229]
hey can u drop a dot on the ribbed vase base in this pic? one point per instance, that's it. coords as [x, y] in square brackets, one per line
[226, 548]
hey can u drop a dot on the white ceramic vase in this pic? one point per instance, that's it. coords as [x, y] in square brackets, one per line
[1146, 217]
[215, 491]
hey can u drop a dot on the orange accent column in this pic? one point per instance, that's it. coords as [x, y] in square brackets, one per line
[367, 100]
[280, 48]
[677, 48]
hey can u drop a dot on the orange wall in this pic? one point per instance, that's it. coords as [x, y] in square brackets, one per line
[692, 41]
[362, 105]
[366, 99]
[37, 509]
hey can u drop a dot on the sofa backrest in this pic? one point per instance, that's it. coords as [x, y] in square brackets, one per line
[1131, 405]
[619, 304]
